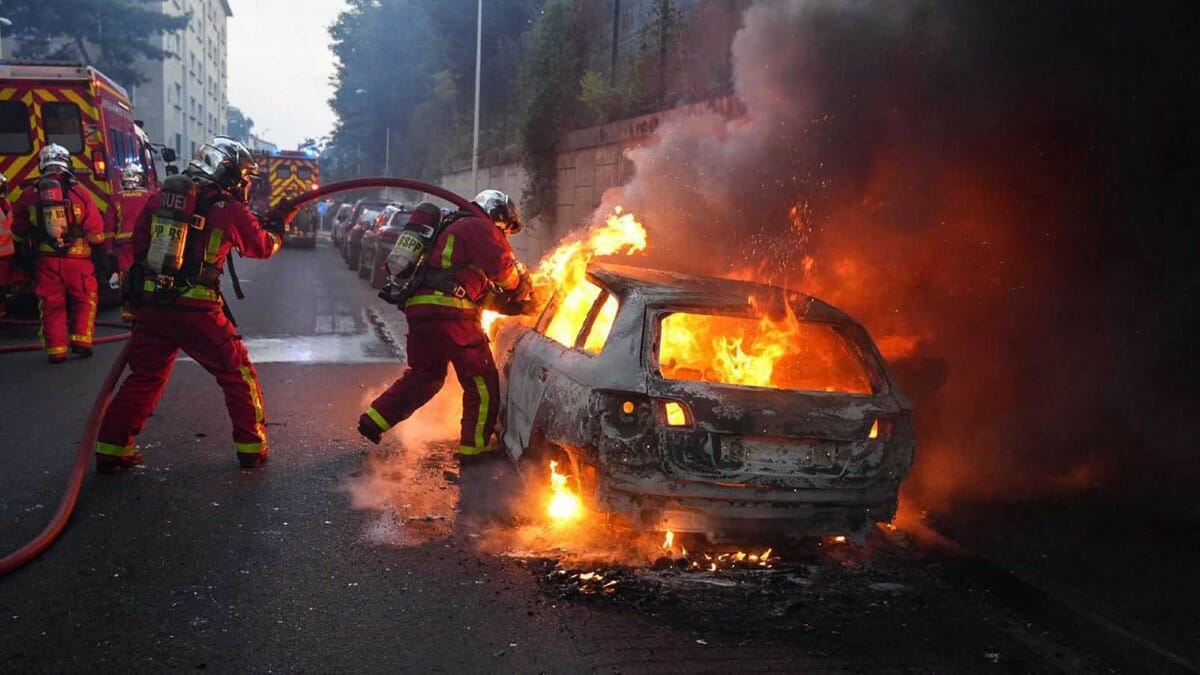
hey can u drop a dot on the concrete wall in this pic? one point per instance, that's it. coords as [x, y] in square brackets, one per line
[590, 161]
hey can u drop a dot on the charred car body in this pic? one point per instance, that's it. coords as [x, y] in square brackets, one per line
[622, 375]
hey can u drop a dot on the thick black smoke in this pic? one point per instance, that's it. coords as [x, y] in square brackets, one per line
[1003, 193]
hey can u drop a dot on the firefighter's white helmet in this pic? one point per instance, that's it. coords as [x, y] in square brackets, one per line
[133, 176]
[54, 158]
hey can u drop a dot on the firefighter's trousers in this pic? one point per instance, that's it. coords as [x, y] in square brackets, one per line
[210, 339]
[63, 283]
[432, 343]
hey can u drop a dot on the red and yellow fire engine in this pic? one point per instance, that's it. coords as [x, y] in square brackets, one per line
[80, 109]
[288, 173]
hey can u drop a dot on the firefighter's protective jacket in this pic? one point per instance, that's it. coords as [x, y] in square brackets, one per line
[85, 213]
[129, 204]
[228, 225]
[475, 252]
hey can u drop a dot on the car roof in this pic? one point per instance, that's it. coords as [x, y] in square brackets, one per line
[662, 287]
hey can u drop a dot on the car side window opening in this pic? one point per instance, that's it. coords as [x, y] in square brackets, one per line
[582, 316]
[604, 312]
[63, 125]
[283, 172]
[14, 129]
[753, 352]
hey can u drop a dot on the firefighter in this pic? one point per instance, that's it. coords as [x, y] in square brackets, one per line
[58, 222]
[130, 204]
[467, 256]
[180, 245]
[7, 248]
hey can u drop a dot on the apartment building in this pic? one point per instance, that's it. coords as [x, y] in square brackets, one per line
[184, 102]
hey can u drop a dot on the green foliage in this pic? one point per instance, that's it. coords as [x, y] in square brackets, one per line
[553, 69]
[408, 67]
[108, 34]
[240, 126]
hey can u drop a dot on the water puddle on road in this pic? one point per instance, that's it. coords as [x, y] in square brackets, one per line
[361, 348]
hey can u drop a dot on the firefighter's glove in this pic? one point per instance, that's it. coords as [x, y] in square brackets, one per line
[278, 221]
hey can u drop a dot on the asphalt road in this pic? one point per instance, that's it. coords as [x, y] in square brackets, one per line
[338, 556]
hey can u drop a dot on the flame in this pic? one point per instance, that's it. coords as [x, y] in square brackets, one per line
[759, 351]
[564, 506]
[565, 270]
[668, 541]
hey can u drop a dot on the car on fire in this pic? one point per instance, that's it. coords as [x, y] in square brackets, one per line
[711, 406]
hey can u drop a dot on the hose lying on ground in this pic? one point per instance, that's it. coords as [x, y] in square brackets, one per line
[17, 559]
[35, 322]
[34, 346]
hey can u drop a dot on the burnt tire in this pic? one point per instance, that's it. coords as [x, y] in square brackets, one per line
[378, 273]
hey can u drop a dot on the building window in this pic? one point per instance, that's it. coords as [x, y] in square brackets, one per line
[178, 144]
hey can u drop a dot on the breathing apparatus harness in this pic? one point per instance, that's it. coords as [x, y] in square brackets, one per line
[173, 266]
[57, 224]
[419, 239]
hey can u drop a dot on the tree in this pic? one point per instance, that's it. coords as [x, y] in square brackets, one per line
[108, 34]
[241, 126]
[310, 144]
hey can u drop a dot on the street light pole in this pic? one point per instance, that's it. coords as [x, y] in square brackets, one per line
[475, 136]
[387, 151]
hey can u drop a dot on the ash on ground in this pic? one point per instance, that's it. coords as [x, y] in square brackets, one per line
[812, 586]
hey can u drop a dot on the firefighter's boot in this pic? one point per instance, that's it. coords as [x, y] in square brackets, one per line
[83, 352]
[114, 463]
[369, 429]
[252, 460]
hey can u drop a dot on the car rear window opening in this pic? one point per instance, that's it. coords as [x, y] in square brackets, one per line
[787, 354]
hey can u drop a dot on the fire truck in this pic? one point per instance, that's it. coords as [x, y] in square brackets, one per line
[80, 109]
[287, 173]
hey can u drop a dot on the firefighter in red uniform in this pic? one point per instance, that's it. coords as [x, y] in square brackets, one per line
[7, 248]
[181, 243]
[469, 257]
[62, 225]
[130, 204]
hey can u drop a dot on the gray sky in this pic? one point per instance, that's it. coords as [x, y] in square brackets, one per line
[280, 65]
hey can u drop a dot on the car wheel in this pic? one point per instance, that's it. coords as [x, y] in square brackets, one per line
[378, 272]
[364, 265]
[534, 469]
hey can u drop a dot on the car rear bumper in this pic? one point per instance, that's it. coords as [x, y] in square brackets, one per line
[655, 502]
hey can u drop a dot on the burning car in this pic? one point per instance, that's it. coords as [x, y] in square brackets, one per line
[709, 406]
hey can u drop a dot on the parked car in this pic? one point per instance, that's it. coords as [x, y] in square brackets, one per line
[365, 211]
[341, 223]
[621, 380]
[377, 243]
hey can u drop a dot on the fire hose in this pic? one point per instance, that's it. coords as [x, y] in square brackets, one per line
[283, 212]
[35, 346]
